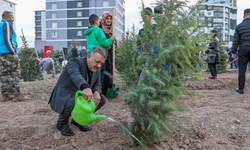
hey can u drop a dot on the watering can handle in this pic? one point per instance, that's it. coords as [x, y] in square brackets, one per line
[80, 92]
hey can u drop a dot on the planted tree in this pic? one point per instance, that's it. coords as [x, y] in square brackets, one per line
[224, 58]
[30, 68]
[152, 68]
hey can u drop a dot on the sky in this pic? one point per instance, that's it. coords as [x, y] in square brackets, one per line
[25, 15]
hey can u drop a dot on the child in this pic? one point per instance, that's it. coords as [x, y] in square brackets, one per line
[96, 37]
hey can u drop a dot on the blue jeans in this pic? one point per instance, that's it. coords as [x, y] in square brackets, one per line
[102, 72]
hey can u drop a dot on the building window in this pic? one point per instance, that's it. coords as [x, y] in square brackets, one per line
[79, 14]
[38, 24]
[11, 5]
[79, 4]
[54, 6]
[79, 23]
[217, 14]
[218, 9]
[218, 20]
[79, 47]
[209, 13]
[105, 3]
[79, 33]
[105, 12]
[54, 25]
[209, 7]
[53, 15]
[217, 25]
[209, 24]
[202, 13]
[54, 34]
[226, 9]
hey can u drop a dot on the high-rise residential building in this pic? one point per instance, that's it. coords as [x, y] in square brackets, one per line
[6, 5]
[225, 22]
[66, 21]
[228, 2]
[40, 27]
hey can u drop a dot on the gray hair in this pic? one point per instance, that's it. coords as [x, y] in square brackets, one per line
[6, 14]
[99, 50]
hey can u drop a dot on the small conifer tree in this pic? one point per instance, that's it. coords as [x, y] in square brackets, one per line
[153, 67]
[224, 58]
[30, 68]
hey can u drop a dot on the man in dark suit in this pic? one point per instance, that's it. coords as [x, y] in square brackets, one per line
[242, 39]
[74, 52]
[82, 73]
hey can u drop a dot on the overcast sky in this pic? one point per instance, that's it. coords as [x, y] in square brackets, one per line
[25, 15]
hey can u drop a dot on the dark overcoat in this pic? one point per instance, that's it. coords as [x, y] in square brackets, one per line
[73, 76]
[214, 53]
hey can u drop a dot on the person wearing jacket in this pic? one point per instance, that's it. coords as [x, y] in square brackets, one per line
[45, 63]
[242, 40]
[96, 37]
[213, 54]
[106, 26]
[81, 73]
[83, 52]
[74, 52]
[9, 72]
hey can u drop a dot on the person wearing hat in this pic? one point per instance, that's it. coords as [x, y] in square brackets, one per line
[242, 40]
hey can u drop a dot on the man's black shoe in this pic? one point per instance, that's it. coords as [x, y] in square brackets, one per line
[239, 91]
[82, 128]
[65, 130]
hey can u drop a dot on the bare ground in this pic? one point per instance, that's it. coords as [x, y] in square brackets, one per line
[219, 121]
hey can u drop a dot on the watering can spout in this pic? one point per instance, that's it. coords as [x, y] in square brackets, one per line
[96, 117]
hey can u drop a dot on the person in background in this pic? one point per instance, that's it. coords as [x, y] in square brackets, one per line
[242, 40]
[74, 52]
[45, 63]
[9, 61]
[96, 37]
[213, 52]
[60, 59]
[83, 52]
[106, 26]
[229, 52]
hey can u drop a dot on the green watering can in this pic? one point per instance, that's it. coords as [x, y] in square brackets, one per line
[83, 112]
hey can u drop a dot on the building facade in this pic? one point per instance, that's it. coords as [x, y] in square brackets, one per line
[66, 21]
[6, 5]
[225, 22]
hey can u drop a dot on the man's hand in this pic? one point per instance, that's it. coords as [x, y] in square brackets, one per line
[97, 98]
[234, 56]
[15, 58]
[87, 94]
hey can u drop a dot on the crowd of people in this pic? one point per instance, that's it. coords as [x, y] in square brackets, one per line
[86, 72]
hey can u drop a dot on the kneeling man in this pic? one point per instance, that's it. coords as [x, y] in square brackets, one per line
[81, 73]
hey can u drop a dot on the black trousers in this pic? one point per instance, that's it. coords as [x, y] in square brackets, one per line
[213, 69]
[69, 106]
[244, 58]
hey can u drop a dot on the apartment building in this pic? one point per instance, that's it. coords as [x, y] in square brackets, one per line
[6, 5]
[225, 22]
[66, 20]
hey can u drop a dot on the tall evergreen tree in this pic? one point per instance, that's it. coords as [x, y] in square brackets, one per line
[167, 55]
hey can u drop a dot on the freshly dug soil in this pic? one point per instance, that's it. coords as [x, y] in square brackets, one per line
[220, 121]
